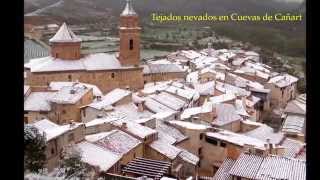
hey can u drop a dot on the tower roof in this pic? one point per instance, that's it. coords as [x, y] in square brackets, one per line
[128, 10]
[65, 34]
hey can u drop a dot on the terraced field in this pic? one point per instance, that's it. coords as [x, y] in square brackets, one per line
[32, 49]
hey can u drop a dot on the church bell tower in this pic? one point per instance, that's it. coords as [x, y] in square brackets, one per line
[129, 32]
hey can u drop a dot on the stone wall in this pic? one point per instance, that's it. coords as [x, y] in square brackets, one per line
[106, 80]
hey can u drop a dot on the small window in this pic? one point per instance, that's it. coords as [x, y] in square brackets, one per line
[64, 112]
[130, 44]
[52, 150]
[211, 141]
[69, 77]
[201, 136]
[222, 144]
[112, 75]
[200, 151]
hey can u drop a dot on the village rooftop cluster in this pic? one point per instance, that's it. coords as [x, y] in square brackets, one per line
[191, 114]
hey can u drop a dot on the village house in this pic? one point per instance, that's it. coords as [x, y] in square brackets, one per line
[67, 102]
[37, 106]
[104, 104]
[60, 104]
[57, 138]
[294, 124]
[102, 160]
[283, 89]
[107, 71]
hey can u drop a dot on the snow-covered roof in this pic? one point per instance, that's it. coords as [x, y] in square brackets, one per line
[110, 99]
[38, 101]
[189, 157]
[241, 108]
[97, 156]
[106, 119]
[90, 62]
[222, 98]
[296, 107]
[118, 142]
[283, 80]
[189, 125]
[205, 88]
[134, 128]
[162, 115]
[52, 130]
[187, 93]
[223, 171]
[161, 68]
[64, 34]
[128, 10]
[96, 137]
[205, 108]
[168, 130]
[166, 149]
[169, 100]
[247, 166]
[294, 124]
[69, 94]
[236, 138]
[131, 113]
[57, 85]
[276, 167]
[264, 132]
[292, 148]
[226, 113]
[156, 107]
[225, 87]
[270, 167]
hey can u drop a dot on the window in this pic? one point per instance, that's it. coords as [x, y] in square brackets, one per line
[130, 44]
[211, 141]
[222, 144]
[71, 137]
[64, 111]
[69, 77]
[112, 75]
[200, 151]
[201, 136]
[52, 150]
[43, 112]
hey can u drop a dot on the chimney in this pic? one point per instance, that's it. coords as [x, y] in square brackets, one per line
[124, 125]
[72, 91]
[269, 145]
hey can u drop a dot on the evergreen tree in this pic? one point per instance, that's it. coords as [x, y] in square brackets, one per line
[72, 164]
[34, 149]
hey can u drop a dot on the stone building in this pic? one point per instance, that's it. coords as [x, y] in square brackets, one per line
[60, 105]
[283, 89]
[107, 71]
[58, 137]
